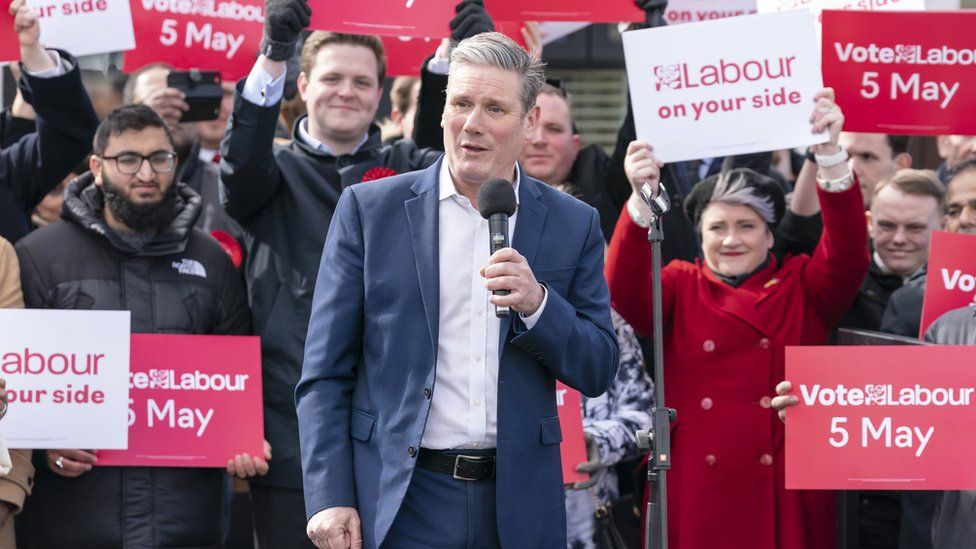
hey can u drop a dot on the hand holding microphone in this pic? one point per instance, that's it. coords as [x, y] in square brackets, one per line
[507, 274]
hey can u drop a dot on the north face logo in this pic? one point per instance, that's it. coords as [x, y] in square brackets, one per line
[190, 267]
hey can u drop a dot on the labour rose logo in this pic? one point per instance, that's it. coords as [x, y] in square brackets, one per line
[159, 378]
[378, 172]
[875, 394]
[907, 53]
[667, 76]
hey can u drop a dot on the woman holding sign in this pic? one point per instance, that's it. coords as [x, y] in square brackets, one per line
[727, 321]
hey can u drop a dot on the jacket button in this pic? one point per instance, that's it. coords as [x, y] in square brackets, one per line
[411, 451]
[427, 393]
[708, 346]
[766, 459]
[766, 402]
[706, 403]
[764, 343]
[710, 460]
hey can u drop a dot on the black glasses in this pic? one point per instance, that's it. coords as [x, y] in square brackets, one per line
[129, 163]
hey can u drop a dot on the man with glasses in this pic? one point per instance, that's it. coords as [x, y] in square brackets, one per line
[128, 243]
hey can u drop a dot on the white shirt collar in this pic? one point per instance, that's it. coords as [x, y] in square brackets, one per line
[447, 189]
[320, 146]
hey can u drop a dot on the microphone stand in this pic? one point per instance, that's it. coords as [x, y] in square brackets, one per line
[658, 440]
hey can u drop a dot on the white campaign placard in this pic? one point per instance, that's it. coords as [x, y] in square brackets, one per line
[725, 87]
[67, 378]
[817, 6]
[693, 11]
[85, 27]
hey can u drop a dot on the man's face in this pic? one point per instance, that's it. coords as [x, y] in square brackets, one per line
[145, 186]
[551, 151]
[484, 126]
[961, 203]
[901, 226]
[872, 160]
[342, 92]
[956, 149]
[211, 132]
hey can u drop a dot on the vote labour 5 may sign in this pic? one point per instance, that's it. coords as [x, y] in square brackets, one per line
[65, 373]
[901, 72]
[197, 34]
[881, 418]
[753, 94]
[194, 401]
[951, 279]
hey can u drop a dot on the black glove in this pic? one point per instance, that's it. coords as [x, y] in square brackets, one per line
[653, 11]
[283, 23]
[471, 19]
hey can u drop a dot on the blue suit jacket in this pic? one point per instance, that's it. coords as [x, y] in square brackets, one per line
[372, 346]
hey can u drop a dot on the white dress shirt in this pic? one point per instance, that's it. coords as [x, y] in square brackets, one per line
[463, 409]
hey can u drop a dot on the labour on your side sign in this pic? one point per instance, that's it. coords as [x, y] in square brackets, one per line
[881, 418]
[66, 375]
[753, 94]
[902, 73]
[85, 27]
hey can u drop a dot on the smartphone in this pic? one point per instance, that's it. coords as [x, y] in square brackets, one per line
[202, 90]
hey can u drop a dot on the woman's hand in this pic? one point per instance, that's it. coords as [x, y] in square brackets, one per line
[784, 399]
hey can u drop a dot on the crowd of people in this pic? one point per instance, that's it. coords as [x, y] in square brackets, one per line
[399, 409]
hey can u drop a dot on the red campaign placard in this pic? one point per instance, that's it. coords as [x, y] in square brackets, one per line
[608, 11]
[881, 418]
[951, 279]
[902, 72]
[194, 401]
[405, 54]
[219, 35]
[573, 447]
[9, 43]
[416, 18]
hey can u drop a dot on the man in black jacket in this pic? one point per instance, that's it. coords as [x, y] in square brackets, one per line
[128, 243]
[284, 197]
[51, 83]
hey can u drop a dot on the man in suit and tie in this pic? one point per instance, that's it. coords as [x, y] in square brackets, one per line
[425, 420]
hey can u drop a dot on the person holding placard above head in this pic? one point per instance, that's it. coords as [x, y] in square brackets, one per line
[128, 242]
[727, 321]
[51, 82]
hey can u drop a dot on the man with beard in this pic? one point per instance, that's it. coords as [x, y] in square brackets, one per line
[196, 144]
[128, 243]
[65, 123]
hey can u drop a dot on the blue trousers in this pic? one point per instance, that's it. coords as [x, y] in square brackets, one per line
[439, 512]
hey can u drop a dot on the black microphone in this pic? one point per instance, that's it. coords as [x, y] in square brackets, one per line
[496, 201]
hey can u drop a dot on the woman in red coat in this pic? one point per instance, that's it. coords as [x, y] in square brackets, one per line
[727, 322]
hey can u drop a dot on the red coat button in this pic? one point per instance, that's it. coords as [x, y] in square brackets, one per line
[710, 460]
[708, 346]
[764, 343]
[765, 402]
[706, 403]
[766, 459]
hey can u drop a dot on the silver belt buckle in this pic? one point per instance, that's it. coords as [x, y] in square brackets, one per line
[457, 465]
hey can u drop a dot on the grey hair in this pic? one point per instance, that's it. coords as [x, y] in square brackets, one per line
[733, 188]
[494, 49]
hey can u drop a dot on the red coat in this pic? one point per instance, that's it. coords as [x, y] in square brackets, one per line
[723, 355]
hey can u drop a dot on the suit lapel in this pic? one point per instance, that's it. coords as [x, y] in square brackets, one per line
[528, 234]
[422, 217]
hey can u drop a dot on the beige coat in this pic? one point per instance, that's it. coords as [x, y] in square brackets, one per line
[16, 486]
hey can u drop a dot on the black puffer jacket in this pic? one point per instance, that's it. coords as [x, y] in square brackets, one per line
[82, 264]
[284, 197]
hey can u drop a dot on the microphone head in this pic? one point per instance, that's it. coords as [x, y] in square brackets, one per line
[496, 196]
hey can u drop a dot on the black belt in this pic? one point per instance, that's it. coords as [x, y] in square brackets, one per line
[458, 465]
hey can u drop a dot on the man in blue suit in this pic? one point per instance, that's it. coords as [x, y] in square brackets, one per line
[424, 420]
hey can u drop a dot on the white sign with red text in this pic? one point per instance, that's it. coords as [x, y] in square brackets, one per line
[67, 376]
[753, 94]
[85, 27]
[693, 11]
[817, 6]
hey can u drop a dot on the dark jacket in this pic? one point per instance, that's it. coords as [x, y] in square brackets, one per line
[872, 298]
[82, 264]
[284, 198]
[903, 315]
[66, 124]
